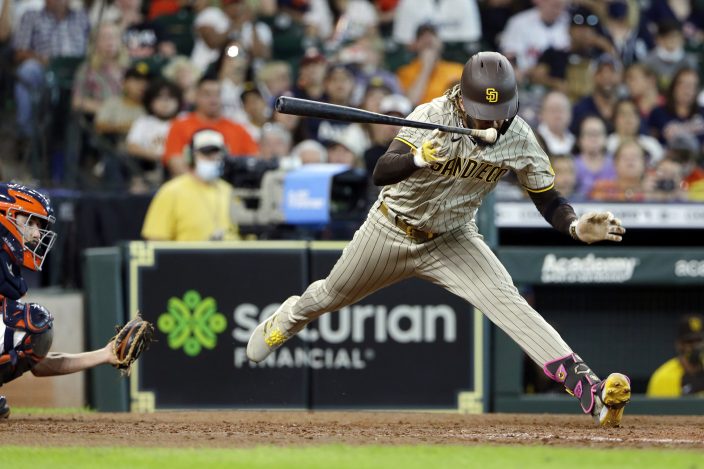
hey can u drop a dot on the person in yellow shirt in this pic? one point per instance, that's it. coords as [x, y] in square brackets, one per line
[428, 76]
[195, 206]
[684, 374]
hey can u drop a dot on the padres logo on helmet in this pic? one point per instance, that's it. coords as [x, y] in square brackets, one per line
[492, 95]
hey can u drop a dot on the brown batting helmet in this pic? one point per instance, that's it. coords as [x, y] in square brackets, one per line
[489, 90]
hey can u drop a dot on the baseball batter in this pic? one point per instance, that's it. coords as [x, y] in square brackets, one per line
[423, 225]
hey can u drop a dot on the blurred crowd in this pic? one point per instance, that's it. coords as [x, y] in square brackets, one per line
[612, 88]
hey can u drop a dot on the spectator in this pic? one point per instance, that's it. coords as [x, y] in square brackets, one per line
[565, 175]
[627, 126]
[689, 14]
[592, 162]
[354, 19]
[54, 31]
[195, 206]
[668, 55]
[366, 56]
[310, 83]
[530, 33]
[665, 183]
[310, 152]
[642, 86]
[207, 115]
[275, 142]
[100, 76]
[215, 27]
[570, 69]
[344, 148]
[181, 71]
[555, 118]
[232, 67]
[274, 80]
[295, 125]
[628, 183]
[117, 114]
[456, 20]
[146, 138]
[684, 374]
[256, 111]
[339, 84]
[176, 25]
[681, 113]
[624, 28]
[607, 77]
[428, 76]
[684, 150]
[395, 105]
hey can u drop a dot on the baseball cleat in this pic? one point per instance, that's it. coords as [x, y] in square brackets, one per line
[269, 335]
[4, 408]
[612, 396]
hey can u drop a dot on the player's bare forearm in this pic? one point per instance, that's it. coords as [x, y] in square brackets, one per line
[555, 209]
[55, 363]
[395, 165]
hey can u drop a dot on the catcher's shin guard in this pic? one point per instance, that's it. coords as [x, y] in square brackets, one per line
[604, 400]
[4, 408]
[270, 334]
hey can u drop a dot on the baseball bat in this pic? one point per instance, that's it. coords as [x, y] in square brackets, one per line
[308, 108]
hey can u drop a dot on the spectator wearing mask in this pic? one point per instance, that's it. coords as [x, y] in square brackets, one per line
[100, 76]
[54, 31]
[669, 55]
[428, 76]
[628, 126]
[555, 118]
[196, 205]
[628, 183]
[146, 138]
[207, 115]
[684, 374]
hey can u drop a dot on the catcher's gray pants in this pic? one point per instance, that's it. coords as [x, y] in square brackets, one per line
[380, 254]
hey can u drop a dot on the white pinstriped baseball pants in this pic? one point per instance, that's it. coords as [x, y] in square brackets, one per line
[380, 254]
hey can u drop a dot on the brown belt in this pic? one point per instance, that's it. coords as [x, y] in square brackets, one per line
[416, 235]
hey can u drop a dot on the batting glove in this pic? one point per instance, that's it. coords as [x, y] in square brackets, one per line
[432, 151]
[597, 226]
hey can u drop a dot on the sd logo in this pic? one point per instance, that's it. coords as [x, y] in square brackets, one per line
[492, 95]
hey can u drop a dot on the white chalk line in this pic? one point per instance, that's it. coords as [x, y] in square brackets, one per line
[538, 436]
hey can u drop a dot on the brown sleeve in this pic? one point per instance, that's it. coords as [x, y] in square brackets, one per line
[555, 209]
[395, 165]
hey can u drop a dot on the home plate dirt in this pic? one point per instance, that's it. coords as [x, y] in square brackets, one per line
[225, 429]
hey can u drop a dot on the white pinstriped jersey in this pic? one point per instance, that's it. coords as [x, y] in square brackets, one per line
[447, 195]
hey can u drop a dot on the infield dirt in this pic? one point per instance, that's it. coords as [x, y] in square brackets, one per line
[226, 429]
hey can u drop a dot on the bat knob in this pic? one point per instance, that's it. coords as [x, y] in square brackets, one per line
[490, 135]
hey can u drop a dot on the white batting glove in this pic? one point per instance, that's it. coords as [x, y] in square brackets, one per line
[597, 226]
[432, 151]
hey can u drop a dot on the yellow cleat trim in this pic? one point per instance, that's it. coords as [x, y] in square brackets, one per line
[275, 339]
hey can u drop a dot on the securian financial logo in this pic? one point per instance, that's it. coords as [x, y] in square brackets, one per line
[492, 95]
[192, 323]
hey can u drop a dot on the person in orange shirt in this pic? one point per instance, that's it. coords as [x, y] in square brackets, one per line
[428, 76]
[207, 115]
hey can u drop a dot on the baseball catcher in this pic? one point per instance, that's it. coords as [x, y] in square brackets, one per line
[423, 225]
[26, 237]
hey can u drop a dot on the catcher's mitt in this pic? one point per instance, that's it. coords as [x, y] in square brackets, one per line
[130, 341]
